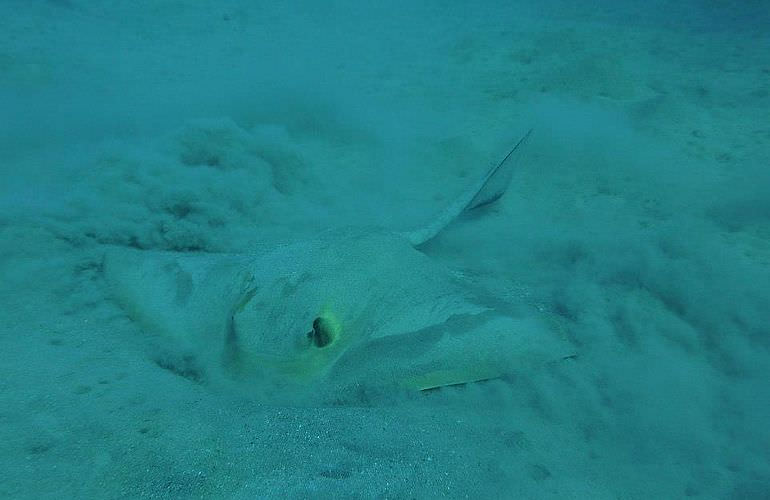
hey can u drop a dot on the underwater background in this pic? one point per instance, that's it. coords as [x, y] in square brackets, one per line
[636, 227]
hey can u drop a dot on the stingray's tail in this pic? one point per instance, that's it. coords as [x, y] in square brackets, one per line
[486, 190]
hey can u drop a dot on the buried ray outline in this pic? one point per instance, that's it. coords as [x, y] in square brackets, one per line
[352, 307]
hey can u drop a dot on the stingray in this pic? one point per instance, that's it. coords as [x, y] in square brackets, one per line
[350, 307]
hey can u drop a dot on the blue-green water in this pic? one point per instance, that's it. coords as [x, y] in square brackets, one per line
[626, 269]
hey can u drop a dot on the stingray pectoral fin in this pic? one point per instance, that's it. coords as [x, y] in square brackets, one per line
[448, 377]
[184, 298]
[476, 348]
[484, 347]
[464, 349]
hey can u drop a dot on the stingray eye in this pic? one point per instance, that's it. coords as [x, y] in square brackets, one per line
[322, 333]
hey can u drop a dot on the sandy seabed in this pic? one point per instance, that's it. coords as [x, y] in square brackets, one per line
[637, 223]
